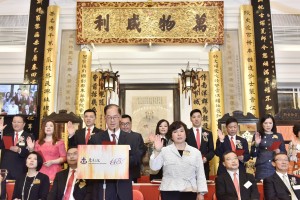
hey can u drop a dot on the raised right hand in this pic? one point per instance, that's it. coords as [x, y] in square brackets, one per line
[257, 138]
[158, 143]
[221, 135]
[2, 126]
[30, 143]
[71, 129]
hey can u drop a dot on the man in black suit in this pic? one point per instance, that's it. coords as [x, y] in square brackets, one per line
[126, 124]
[201, 139]
[232, 142]
[234, 184]
[83, 135]
[281, 186]
[81, 189]
[115, 189]
[14, 158]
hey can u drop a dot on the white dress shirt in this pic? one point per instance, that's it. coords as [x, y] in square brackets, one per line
[195, 133]
[117, 133]
[74, 181]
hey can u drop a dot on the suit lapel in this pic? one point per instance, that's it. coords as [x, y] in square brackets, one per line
[82, 135]
[230, 182]
[279, 181]
[192, 138]
[122, 138]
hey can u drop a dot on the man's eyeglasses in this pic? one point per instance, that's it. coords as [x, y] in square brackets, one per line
[231, 159]
[125, 124]
[110, 118]
[282, 160]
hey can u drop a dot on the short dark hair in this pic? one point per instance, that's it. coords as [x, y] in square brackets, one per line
[90, 110]
[195, 111]
[277, 154]
[158, 124]
[110, 106]
[296, 129]
[226, 153]
[18, 115]
[72, 147]
[39, 159]
[174, 126]
[230, 120]
[127, 116]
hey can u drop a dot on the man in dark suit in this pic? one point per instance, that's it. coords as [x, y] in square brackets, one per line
[79, 188]
[14, 158]
[280, 185]
[115, 189]
[234, 184]
[126, 124]
[232, 142]
[201, 139]
[83, 135]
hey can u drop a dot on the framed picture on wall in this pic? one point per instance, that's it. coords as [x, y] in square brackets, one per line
[149, 103]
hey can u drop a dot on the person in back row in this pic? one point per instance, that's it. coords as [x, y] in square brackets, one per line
[82, 136]
[201, 139]
[126, 125]
[232, 142]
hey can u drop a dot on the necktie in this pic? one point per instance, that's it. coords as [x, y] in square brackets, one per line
[114, 138]
[16, 139]
[232, 144]
[88, 135]
[198, 138]
[69, 186]
[288, 185]
[236, 185]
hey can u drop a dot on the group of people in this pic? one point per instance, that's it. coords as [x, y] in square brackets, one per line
[180, 158]
[20, 103]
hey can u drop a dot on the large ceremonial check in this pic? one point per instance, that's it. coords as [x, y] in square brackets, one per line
[103, 161]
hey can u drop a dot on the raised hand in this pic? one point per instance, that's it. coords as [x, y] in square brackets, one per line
[221, 135]
[2, 126]
[71, 129]
[158, 143]
[30, 144]
[257, 138]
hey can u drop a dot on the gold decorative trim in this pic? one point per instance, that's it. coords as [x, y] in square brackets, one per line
[154, 22]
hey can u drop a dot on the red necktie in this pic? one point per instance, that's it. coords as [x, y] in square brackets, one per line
[114, 138]
[88, 135]
[236, 185]
[198, 138]
[16, 139]
[232, 144]
[69, 186]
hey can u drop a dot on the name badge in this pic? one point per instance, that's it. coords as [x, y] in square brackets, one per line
[186, 153]
[21, 143]
[296, 187]
[247, 184]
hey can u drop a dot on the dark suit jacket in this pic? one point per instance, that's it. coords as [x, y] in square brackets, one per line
[59, 185]
[206, 148]
[139, 145]
[222, 147]
[79, 137]
[275, 189]
[116, 189]
[225, 189]
[15, 162]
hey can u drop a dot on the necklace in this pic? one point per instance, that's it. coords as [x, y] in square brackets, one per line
[29, 188]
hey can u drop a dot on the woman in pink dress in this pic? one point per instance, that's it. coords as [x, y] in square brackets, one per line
[51, 149]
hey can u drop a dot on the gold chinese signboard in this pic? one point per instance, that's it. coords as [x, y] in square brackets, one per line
[155, 22]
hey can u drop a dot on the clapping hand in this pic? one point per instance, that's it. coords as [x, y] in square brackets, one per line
[221, 135]
[158, 143]
[71, 129]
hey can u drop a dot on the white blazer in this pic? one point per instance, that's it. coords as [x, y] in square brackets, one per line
[184, 173]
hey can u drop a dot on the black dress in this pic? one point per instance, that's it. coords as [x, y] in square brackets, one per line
[39, 187]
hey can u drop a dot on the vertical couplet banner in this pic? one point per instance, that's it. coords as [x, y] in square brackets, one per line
[201, 98]
[50, 54]
[250, 97]
[265, 58]
[217, 94]
[98, 98]
[83, 82]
